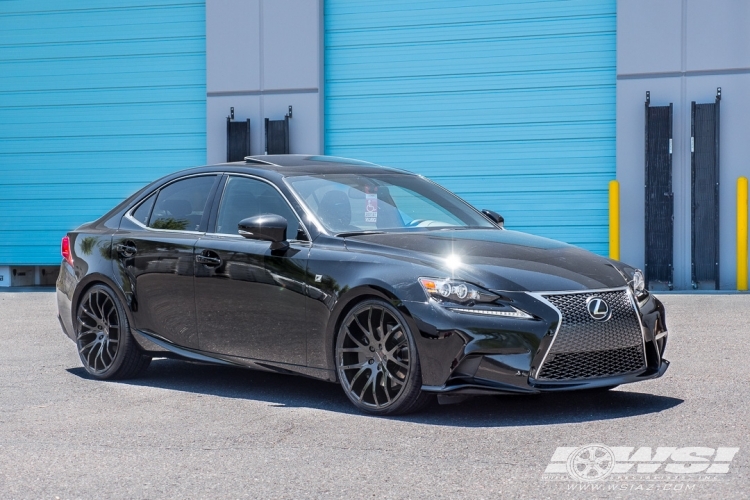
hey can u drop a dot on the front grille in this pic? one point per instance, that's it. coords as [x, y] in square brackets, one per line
[584, 348]
[579, 365]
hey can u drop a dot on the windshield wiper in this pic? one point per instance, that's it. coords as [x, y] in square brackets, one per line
[358, 233]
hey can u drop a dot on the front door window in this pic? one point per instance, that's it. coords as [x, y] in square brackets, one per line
[244, 197]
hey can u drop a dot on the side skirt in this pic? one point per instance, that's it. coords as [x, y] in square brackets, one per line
[149, 340]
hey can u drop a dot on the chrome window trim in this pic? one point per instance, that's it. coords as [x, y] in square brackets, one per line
[129, 213]
[240, 237]
[266, 181]
[541, 297]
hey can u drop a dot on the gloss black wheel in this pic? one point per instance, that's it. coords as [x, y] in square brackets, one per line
[377, 360]
[105, 345]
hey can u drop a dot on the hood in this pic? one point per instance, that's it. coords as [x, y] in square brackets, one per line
[501, 259]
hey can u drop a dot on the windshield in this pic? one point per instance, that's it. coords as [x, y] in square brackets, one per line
[346, 203]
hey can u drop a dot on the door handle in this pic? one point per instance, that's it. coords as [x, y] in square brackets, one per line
[207, 259]
[127, 249]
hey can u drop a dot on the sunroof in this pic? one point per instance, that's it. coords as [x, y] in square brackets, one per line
[250, 159]
[338, 159]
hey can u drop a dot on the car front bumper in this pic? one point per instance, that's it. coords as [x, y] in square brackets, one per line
[472, 354]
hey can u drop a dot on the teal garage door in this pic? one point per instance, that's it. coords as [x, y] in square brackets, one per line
[96, 99]
[511, 104]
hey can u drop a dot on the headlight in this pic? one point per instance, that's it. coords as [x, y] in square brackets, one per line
[445, 290]
[453, 293]
[638, 283]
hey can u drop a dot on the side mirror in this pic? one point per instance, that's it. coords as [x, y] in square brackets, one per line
[267, 227]
[495, 217]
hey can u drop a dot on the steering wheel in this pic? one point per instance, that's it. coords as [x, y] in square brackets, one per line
[415, 222]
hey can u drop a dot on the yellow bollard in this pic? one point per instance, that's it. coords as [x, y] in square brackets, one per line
[614, 220]
[742, 233]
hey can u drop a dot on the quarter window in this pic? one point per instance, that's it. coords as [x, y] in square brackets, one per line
[144, 210]
[244, 197]
[180, 205]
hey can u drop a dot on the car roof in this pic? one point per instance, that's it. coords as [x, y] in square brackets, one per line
[299, 164]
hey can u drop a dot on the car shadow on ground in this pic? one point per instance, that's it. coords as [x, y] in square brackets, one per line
[486, 411]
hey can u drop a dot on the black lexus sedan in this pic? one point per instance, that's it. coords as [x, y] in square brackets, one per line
[348, 271]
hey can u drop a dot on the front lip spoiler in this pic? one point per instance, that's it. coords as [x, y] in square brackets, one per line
[573, 385]
[478, 389]
[536, 387]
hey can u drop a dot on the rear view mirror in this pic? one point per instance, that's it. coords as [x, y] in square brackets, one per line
[266, 227]
[494, 217]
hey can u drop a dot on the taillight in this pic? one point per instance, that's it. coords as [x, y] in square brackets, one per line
[65, 250]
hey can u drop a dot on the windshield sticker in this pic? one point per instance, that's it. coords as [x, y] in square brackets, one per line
[371, 207]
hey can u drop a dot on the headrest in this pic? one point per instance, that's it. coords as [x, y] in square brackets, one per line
[177, 208]
[335, 210]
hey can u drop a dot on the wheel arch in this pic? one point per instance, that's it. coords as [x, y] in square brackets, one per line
[92, 280]
[348, 301]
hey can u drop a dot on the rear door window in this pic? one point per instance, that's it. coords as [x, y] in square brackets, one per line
[180, 206]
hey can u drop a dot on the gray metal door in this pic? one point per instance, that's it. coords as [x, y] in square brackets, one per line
[659, 196]
[704, 161]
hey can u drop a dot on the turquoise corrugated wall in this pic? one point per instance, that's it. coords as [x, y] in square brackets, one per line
[511, 104]
[96, 100]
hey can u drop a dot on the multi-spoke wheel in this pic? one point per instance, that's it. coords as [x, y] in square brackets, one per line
[105, 346]
[377, 360]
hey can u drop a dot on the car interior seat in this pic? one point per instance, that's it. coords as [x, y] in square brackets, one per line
[335, 211]
[181, 211]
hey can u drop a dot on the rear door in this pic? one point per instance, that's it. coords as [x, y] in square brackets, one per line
[153, 256]
[250, 300]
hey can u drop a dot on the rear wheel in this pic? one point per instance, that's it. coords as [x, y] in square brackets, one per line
[377, 362]
[105, 345]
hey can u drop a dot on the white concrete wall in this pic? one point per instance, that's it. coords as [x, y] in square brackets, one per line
[681, 51]
[261, 57]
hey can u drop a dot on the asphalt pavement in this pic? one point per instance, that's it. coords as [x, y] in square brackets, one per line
[186, 430]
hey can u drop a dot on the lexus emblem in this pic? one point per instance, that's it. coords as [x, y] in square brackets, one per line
[598, 308]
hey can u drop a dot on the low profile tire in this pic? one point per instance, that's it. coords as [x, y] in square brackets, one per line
[105, 345]
[377, 362]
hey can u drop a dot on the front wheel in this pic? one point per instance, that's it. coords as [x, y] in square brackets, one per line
[105, 345]
[377, 362]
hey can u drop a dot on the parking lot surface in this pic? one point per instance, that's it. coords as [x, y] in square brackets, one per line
[198, 431]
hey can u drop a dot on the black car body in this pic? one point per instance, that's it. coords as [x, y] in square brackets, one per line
[189, 291]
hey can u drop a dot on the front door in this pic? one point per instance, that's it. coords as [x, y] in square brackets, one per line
[250, 300]
[153, 258]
